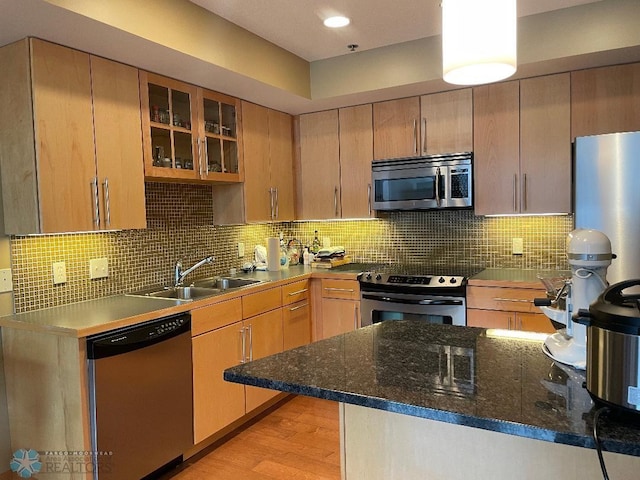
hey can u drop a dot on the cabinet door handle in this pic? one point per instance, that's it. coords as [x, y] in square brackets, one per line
[335, 200]
[243, 345]
[415, 136]
[424, 135]
[509, 323]
[292, 294]
[277, 203]
[331, 289]
[250, 342]
[524, 192]
[271, 202]
[513, 300]
[293, 309]
[199, 157]
[355, 316]
[369, 198]
[107, 202]
[96, 202]
[515, 192]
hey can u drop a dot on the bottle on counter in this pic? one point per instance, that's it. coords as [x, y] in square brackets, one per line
[305, 256]
[284, 255]
[315, 245]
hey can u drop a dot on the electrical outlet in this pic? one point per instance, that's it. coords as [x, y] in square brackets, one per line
[517, 246]
[59, 273]
[240, 249]
[98, 268]
[6, 281]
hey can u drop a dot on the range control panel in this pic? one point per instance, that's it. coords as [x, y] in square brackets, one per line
[428, 281]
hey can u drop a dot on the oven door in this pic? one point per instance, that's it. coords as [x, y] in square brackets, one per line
[377, 307]
[409, 188]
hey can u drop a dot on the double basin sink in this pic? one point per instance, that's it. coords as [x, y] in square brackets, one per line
[199, 289]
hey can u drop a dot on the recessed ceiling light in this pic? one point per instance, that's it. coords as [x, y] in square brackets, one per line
[336, 22]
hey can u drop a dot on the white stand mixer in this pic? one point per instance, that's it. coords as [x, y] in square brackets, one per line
[589, 255]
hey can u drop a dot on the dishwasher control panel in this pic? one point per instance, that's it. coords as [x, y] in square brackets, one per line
[169, 326]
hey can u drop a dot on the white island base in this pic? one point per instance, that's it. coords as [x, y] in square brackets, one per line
[380, 445]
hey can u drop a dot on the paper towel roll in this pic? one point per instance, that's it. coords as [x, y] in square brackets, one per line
[273, 254]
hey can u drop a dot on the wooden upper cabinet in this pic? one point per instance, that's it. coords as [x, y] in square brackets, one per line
[189, 133]
[268, 163]
[396, 128]
[356, 153]
[118, 142]
[605, 100]
[496, 123]
[257, 190]
[447, 122]
[545, 144]
[53, 167]
[319, 175]
[522, 146]
[281, 164]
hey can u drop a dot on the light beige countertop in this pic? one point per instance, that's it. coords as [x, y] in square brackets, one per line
[103, 314]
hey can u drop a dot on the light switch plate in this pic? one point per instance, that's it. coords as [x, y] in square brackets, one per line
[517, 246]
[98, 268]
[6, 281]
[59, 273]
[240, 249]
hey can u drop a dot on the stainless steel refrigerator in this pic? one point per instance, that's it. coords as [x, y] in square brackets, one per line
[607, 196]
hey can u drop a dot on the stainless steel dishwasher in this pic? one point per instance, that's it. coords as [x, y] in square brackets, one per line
[140, 381]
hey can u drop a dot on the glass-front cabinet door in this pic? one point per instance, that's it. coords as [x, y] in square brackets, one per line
[221, 159]
[170, 128]
[189, 133]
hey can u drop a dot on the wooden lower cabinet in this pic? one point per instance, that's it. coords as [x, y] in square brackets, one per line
[296, 324]
[216, 403]
[528, 322]
[265, 338]
[507, 308]
[339, 307]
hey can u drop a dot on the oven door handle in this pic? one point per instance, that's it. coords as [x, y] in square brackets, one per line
[411, 302]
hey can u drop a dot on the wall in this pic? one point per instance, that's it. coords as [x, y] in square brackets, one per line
[180, 226]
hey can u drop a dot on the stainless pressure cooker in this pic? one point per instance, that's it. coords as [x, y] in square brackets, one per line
[613, 346]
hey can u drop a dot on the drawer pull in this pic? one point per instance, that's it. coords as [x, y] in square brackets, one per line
[513, 300]
[347, 290]
[293, 309]
[304, 290]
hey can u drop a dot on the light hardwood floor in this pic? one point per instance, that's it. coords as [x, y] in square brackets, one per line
[298, 440]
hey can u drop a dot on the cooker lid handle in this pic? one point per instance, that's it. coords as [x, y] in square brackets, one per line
[614, 294]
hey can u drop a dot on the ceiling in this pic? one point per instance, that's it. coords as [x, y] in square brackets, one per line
[296, 25]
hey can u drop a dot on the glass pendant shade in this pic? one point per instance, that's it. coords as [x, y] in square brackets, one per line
[479, 41]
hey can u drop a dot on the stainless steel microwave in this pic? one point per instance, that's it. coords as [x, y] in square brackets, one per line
[426, 183]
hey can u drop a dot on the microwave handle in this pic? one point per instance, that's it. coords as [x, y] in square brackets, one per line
[438, 199]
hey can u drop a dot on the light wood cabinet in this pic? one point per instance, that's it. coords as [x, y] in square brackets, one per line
[396, 128]
[507, 308]
[432, 124]
[189, 133]
[319, 175]
[522, 151]
[268, 161]
[356, 153]
[339, 310]
[336, 148]
[605, 100]
[70, 149]
[296, 314]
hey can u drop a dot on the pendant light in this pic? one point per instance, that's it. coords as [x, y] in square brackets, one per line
[479, 40]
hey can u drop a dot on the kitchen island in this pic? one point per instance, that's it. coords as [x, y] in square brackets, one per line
[410, 391]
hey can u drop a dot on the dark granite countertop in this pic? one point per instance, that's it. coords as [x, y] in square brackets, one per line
[460, 375]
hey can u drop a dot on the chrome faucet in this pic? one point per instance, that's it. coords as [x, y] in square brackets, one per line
[179, 274]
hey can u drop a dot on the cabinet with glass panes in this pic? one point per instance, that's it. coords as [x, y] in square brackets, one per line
[190, 134]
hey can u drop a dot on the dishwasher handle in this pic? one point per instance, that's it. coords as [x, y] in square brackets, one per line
[136, 337]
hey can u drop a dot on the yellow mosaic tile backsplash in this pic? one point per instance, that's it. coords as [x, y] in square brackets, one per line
[180, 225]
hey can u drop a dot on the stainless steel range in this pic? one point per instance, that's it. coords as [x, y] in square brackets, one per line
[420, 292]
